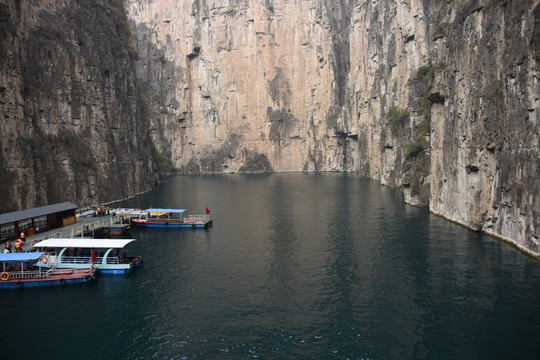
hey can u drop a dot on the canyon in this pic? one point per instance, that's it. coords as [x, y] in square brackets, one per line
[438, 98]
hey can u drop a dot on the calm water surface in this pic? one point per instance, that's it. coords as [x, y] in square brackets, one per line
[296, 266]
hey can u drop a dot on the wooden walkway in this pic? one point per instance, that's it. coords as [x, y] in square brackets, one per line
[85, 226]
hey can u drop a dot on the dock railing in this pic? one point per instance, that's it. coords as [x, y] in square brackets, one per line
[87, 230]
[28, 246]
[204, 218]
[197, 218]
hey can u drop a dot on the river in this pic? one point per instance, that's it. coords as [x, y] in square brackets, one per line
[296, 266]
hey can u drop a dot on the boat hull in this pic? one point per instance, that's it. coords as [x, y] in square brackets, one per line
[59, 277]
[118, 229]
[171, 224]
[117, 271]
[111, 269]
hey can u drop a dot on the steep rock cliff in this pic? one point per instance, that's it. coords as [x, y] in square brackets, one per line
[485, 162]
[71, 124]
[440, 98]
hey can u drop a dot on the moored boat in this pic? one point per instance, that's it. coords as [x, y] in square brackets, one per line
[172, 218]
[19, 270]
[107, 255]
[120, 224]
[118, 229]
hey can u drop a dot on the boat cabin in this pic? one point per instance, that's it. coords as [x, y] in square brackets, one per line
[108, 255]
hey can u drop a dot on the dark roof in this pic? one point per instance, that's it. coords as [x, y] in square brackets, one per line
[35, 212]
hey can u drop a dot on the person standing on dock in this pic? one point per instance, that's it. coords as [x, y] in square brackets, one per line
[18, 244]
[22, 236]
[7, 250]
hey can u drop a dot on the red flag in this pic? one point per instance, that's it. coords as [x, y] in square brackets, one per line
[93, 256]
[207, 210]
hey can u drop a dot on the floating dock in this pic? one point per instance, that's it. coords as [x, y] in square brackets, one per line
[88, 224]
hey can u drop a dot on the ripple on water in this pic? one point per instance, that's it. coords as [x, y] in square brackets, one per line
[297, 266]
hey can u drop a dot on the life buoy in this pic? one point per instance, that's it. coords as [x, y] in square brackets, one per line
[4, 276]
[44, 259]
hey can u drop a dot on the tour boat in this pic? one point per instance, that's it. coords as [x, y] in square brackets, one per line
[171, 218]
[19, 270]
[107, 255]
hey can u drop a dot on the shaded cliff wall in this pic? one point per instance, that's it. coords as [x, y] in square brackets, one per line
[71, 124]
[440, 98]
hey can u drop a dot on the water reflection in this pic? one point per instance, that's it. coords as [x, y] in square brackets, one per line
[296, 266]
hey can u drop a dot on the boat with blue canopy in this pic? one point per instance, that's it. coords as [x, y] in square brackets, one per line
[171, 218]
[107, 255]
[19, 270]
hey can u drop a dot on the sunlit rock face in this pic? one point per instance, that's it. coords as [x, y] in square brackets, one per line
[438, 98]
[248, 86]
[310, 85]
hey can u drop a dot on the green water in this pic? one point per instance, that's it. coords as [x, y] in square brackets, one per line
[296, 266]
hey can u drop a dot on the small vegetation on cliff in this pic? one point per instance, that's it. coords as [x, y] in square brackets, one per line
[123, 29]
[163, 163]
[397, 118]
[463, 3]
[425, 127]
[424, 106]
[426, 72]
[382, 139]
[414, 148]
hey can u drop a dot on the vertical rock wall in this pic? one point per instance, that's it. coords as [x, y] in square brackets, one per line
[71, 125]
[247, 86]
[485, 161]
[440, 98]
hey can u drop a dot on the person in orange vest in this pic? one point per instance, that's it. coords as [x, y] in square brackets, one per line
[18, 244]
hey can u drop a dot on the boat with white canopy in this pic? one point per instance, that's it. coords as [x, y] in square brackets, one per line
[107, 255]
[18, 270]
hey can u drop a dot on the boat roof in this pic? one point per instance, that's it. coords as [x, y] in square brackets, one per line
[156, 210]
[84, 243]
[29, 256]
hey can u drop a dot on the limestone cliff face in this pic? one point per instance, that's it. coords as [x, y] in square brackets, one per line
[71, 127]
[440, 98]
[485, 163]
[242, 85]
